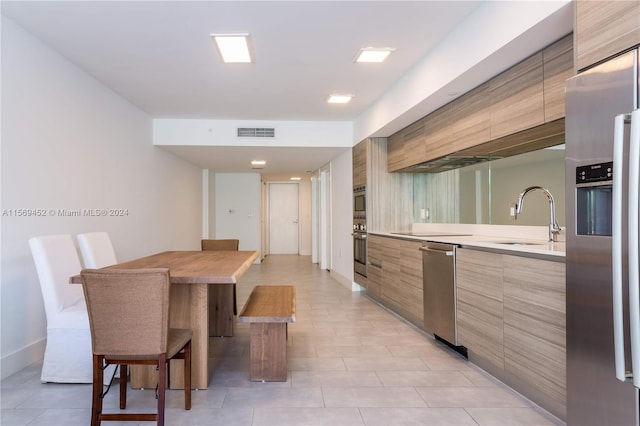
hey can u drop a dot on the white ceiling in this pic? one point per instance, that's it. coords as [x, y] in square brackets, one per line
[159, 56]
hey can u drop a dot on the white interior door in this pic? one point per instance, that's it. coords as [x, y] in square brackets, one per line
[283, 218]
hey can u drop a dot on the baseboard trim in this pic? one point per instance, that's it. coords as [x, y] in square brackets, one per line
[344, 281]
[22, 358]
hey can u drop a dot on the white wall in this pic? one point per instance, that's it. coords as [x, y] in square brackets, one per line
[240, 193]
[192, 132]
[342, 219]
[68, 142]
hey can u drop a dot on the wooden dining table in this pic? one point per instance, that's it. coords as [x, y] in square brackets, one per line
[193, 275]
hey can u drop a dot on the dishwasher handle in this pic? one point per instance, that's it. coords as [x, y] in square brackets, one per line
[442, 252]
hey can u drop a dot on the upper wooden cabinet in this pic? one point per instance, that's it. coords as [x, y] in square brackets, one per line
[359, 154]
[407, 146]
[517, 100]
[557, 66]
[504, 116]
[604, 28]
[439, 133]
[471, 118]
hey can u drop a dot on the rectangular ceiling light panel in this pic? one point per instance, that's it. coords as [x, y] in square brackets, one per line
[373, 54]
[339, 98]
[234, 48]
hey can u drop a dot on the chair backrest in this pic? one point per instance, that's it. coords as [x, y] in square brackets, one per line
[128, 310]
[220, 244]
[97, 250]
[56, 260]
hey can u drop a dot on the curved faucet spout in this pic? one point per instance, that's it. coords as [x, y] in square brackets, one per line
[554, 228]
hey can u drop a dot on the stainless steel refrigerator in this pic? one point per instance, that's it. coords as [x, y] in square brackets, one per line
[603, 318]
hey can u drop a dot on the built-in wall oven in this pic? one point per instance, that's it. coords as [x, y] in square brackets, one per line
[359, 231]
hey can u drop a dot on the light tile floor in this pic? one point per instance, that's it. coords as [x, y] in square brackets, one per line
[350, 362]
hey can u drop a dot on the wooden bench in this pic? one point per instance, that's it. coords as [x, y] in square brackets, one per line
[269, 309]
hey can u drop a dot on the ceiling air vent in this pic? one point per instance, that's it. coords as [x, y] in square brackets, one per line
[256, 132]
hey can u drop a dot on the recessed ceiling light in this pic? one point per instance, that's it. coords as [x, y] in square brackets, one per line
[339, 98]
[234, 48]
[373, 54]
[294, 178]
[258, 163]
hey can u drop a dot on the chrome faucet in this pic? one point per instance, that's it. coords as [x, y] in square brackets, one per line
[554, 228]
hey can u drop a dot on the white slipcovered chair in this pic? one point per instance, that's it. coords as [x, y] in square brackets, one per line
[68, 356]
[97, 250]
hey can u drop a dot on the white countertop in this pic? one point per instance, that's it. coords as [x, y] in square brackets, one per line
[530, 241]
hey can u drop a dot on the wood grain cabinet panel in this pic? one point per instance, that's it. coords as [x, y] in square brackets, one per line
[534, 324]
[411, 279]
[517, 98]
[471, 118]
[604, 28]
[480, 304]
[374, 266]
[374, 249]
[438, 133]
[395, 152]
[359, 163]
[394, 275]
[557, 67]
[391, 273]
[407, 147]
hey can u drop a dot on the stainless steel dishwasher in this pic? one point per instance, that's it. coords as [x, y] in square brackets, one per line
[439, 290]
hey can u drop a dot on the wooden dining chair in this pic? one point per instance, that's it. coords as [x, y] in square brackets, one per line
[220, 244]
[129, 321]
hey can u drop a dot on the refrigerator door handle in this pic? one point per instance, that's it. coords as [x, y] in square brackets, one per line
[634, 272]
[616, 249]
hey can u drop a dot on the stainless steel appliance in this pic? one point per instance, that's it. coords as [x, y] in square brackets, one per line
[439, 290]
[359, 232]
[603, 319]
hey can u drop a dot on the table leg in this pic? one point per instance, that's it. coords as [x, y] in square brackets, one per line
[222, 307]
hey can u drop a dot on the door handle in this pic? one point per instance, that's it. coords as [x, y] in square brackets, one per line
[634, 223]
[442, 252]
[296, 221]
[616, 249]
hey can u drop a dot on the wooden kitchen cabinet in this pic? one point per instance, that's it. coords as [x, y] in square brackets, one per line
[439, 133]
[480, 304]
[517, 98]
[359, 163]
[471, 119]
[557, 67]
[604, 28]
[406, 288]
[504, 116]
[395, 152]
[374, 266]
[407, 147]
[394, 275]
[511, 318]
[534, 324]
